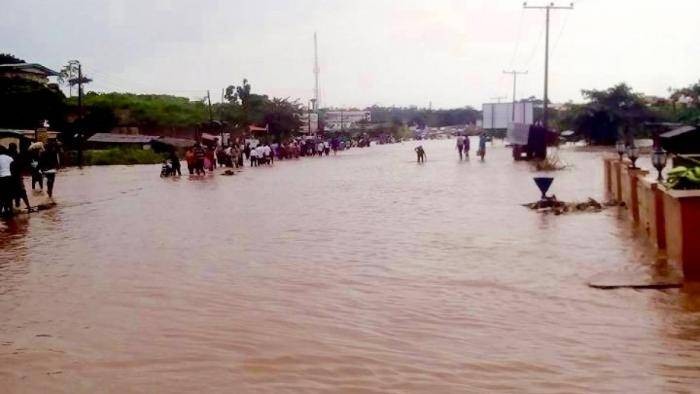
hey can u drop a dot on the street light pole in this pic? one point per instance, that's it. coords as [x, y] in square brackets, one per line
[547, 8]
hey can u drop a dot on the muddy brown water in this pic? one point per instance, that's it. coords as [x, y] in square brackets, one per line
[363, 272]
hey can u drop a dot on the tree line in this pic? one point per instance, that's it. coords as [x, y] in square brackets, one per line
[621, 113]
[604, 117]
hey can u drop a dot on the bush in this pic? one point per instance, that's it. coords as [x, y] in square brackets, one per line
[121, 156]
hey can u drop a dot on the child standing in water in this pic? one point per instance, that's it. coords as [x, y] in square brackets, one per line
[420, 152]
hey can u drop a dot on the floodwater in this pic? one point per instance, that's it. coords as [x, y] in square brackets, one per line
[363, 272]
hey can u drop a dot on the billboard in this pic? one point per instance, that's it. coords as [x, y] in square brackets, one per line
[500, 115]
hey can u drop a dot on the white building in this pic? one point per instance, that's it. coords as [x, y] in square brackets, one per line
[309, 122]
[343, 120]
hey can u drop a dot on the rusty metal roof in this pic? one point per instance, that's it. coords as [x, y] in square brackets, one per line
[122, 138]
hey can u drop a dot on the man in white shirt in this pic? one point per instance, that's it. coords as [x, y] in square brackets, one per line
[260, 153]
[267, 151]
[253, 157]
[6, 184]
[269, 154]
[5, 163]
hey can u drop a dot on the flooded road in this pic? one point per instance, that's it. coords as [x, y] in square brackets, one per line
[363, 272]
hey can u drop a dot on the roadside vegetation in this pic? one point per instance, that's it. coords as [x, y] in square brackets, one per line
[115, 156]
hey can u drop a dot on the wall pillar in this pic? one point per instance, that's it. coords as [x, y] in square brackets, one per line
[682, 228]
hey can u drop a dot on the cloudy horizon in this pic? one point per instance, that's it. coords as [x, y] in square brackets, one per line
[445, 53]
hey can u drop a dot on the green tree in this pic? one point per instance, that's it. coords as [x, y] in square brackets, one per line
[6, 58]
[282, 117]
[25, 104]
[610, 114]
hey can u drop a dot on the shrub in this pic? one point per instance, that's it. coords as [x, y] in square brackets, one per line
[122, 156]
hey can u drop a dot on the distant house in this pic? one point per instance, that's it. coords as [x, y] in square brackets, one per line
[167, 144]
[653, 101]
[339, 119]
[30, 71]
[24, 137]
[110, 140]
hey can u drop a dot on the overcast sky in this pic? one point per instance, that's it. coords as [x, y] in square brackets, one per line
[450, 53]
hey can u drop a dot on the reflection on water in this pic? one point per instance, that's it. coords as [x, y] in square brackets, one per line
[358, 273]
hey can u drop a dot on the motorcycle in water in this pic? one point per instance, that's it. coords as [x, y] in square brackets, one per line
[167, 169]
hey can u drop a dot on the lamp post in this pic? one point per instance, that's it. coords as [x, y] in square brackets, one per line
[620, 146]
[658, 160]
[633, 154]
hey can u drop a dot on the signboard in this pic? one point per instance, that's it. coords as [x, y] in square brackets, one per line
[500, 115]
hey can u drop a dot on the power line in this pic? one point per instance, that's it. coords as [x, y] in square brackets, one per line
[561, 32]
[517, 38]
[534, 48]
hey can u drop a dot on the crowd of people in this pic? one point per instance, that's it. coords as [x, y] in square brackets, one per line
[201, 158]
[41, 161]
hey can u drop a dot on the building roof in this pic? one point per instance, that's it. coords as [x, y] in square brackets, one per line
[257, 128]
[12, 133]
[122, 138]
[176, 142]
[210, 137]
[33, 68]
[679, 131]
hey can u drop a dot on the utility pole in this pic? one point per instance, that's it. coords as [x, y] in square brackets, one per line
[515, 78]
[547, 8]
[211, 116]
[493, 109]
[308, 114]
[80, 115]
[221, 118]
[317, 71]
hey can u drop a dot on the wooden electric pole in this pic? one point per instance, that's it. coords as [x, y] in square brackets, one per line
[515, 78]
[547, 8]
[80, 115]
[211, 115]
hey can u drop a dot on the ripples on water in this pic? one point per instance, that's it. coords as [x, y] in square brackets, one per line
[359, 273]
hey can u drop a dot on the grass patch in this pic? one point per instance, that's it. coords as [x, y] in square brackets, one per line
[115, 156]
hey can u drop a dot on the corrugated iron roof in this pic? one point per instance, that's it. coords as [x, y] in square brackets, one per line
[122, 138]
[28, 67]
[176, 142]
[678, 131]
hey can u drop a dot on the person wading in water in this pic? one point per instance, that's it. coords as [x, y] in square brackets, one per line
[48, 163]
[199, 155]
[466, 147]
[17, 167]
[482, 146]
[420, 152]
[460, 145]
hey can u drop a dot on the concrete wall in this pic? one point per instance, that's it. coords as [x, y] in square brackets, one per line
[607, 177]
[670, 219]
[615, 180]
[682, 226]
[651, 213]
[625, 186]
